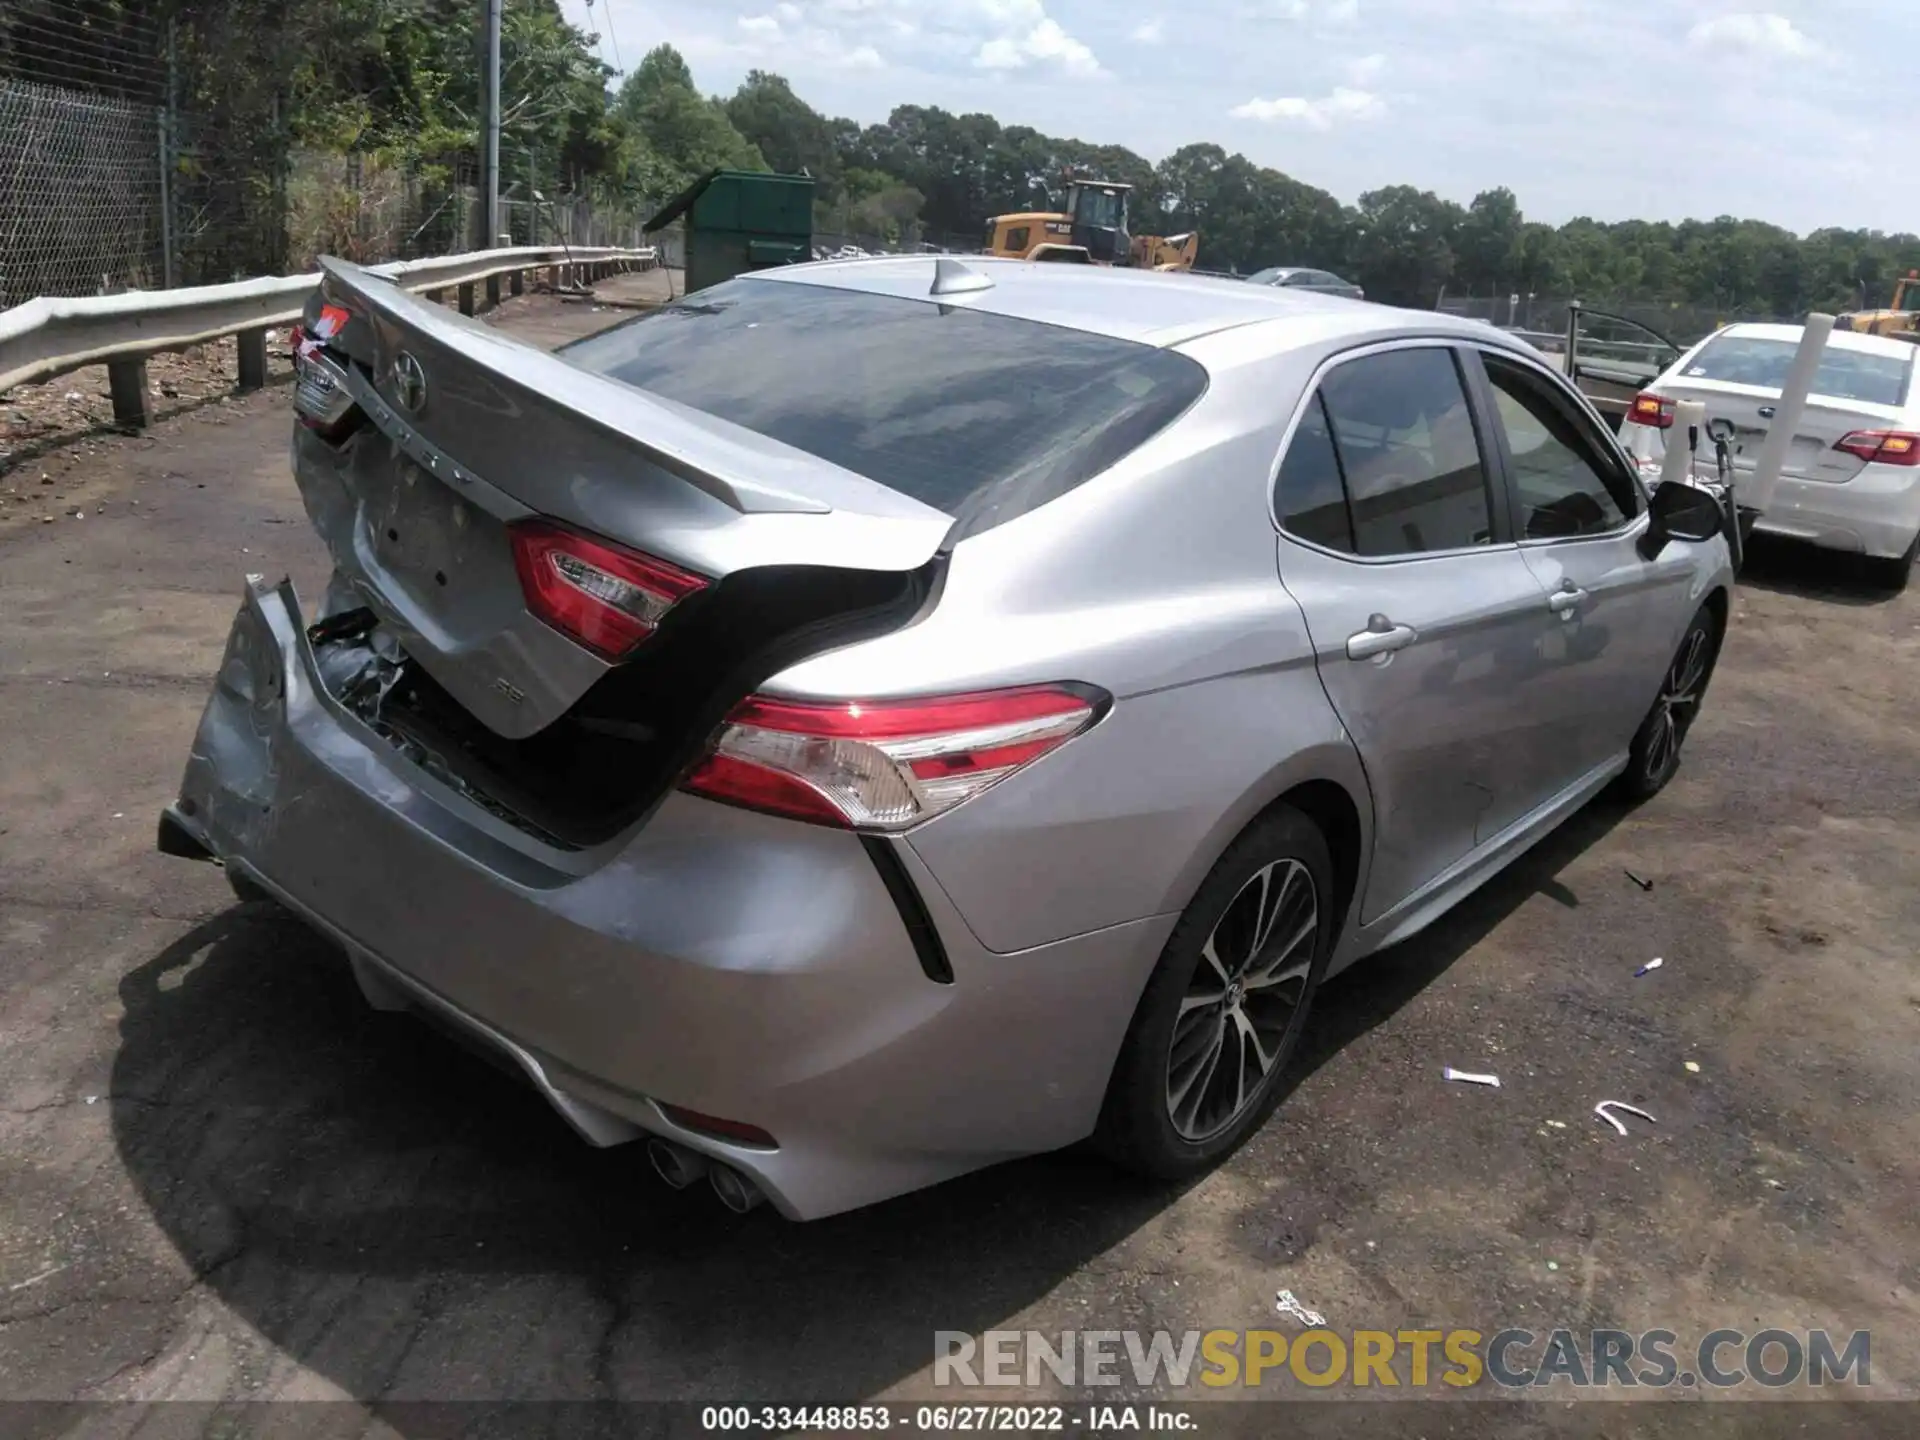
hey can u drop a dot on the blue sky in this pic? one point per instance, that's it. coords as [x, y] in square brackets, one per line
[1661, 109]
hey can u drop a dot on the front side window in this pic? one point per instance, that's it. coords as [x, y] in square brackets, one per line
[1565, 486]
[1403, 431]
[1017, 237]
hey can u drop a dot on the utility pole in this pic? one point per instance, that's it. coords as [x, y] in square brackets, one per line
[490, 168]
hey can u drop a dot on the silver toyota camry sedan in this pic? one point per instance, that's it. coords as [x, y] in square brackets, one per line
[869, 720]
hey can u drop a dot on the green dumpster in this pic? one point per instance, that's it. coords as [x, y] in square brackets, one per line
[740, 220]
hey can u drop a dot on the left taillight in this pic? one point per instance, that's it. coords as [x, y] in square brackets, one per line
[886, 765]
[1882, 447]
[605, 596]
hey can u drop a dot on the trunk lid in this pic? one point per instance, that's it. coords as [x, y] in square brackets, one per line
[467, 431]
[1811, 456]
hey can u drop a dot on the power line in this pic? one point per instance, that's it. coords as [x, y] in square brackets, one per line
[612, 39]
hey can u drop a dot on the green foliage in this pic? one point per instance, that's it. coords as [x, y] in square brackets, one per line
[399, 81]
[684, 133]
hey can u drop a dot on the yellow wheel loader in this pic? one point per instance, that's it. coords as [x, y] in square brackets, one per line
[1899, 321]
[1090, 230]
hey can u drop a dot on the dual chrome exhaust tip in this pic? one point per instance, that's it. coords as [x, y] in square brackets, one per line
[681, 1167]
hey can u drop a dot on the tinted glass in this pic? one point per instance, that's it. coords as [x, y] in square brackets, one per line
[1104, 209]
[1565, 487]
[1843, 374]
[1272, 275]
[1406, 442]
[1312, 501]
[956, 408]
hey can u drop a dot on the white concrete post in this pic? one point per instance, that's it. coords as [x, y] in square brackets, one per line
[1677, 467]
[1757, 493]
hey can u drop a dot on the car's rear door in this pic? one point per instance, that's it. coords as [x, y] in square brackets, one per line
[1613, 615]
[1426, 621]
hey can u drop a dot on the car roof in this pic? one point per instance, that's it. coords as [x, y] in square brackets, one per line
[1839, 340]
[1149, 307]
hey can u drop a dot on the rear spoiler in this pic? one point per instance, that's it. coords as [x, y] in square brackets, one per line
[562, 441]
[734, 464]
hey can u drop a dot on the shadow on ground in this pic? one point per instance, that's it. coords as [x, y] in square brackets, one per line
[347, 1182]
[1790, 567]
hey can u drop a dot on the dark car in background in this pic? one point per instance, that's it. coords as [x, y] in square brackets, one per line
[1296, 277]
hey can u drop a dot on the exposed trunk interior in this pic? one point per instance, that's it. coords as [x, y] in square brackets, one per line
[610, 758]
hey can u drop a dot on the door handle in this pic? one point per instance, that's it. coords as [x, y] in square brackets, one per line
[1381, 637]
[1566, 598]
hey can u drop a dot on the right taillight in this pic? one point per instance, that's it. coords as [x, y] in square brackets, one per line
[1883, 447]
[604, 595]
[886, 765]
[1651, 409]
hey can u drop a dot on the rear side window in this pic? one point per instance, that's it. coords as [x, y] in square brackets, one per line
[963, 411]
[1312, 498]
[1404, 433]
[1843, 374]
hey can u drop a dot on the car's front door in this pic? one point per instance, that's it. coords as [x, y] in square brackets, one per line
[1614, 616]
[1425, 619]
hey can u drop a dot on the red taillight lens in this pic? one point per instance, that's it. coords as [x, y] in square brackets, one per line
[885, 765]
[605, 596]
[1884, 447]
[1651, 409]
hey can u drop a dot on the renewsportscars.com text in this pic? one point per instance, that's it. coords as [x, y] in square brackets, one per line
[1511, 1359]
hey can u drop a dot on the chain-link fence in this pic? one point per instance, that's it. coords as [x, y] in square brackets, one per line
[80, 193]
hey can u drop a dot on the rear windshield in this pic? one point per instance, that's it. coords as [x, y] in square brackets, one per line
[965, 412]
[1843, 374]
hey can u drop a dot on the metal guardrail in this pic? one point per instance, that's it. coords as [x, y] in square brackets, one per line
[48, 336]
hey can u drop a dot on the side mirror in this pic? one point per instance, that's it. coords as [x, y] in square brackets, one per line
[1681, 512]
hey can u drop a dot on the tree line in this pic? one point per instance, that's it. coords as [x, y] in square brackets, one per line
[401, 78]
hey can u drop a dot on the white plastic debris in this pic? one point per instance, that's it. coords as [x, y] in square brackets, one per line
[1606, 1108]
[1288, 1304]
[1649, 967]
[1465, 1078]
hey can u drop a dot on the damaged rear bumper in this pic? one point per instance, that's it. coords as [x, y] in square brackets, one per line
[726, 962]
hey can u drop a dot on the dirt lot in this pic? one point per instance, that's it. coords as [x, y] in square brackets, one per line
[222, 1178]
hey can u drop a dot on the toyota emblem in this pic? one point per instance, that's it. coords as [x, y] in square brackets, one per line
[409, 383]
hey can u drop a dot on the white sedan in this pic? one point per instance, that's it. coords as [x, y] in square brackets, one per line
[1852, 475]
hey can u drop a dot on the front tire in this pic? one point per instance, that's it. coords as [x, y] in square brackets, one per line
[1655, 755]
[1224, 1010]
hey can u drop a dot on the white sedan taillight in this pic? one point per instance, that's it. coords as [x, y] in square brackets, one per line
[885, 765]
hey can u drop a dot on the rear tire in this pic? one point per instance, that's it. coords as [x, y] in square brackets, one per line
[1894, 574]
[1223, 1012]
[1655, 755]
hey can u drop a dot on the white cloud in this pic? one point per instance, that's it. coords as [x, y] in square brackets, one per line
[1148, 32]
[863, 57]
[1044, 44]
[1757, 34]
[789, 13]
[1344, 103]
[1364, 71]
[760, 26]
[1274, 10]
[1343, 12]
